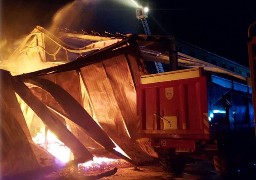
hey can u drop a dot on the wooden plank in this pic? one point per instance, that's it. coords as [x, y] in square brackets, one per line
[16, 153]
[52, 121]
[117, 69]
[75, 111]
[69, 81]
[103, 101]
[108, 112]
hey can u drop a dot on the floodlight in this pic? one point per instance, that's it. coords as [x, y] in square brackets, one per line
[146, 9]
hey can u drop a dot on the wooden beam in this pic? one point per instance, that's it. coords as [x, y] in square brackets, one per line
[16, 154]
[75, 111]
[52, 121]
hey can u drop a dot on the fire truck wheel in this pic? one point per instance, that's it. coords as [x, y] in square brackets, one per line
[165, 161]
[178, 164]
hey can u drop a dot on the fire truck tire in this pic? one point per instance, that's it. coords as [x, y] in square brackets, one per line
[220, 165]
[173, 163]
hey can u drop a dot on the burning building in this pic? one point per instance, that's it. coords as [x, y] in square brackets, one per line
[83, 126]
[77, 93]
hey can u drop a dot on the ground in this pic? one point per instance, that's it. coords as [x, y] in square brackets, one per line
[199, 170]
[195, 171]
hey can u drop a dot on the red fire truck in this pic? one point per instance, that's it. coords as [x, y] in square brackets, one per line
[174, 114]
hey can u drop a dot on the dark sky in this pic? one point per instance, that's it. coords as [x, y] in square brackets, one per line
[217, 26]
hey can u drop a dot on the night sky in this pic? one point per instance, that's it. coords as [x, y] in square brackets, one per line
[217, 26]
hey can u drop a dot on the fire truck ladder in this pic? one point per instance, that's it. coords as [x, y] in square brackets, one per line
[145, 26]
[158, 65]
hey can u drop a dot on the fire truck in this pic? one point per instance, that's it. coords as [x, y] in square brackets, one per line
[203, 112]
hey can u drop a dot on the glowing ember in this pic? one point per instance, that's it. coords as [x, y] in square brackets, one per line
[53, 145]
[97, 163]
[100, 164]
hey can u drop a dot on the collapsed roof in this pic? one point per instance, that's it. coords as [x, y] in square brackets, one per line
[88, 95]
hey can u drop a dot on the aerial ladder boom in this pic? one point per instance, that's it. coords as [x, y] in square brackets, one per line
[142, 14]
[145, 26]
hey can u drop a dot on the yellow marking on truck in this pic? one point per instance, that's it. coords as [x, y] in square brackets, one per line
[171, 76]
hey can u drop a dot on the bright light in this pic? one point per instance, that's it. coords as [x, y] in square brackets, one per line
[219, 111]
[146, 9]
[211, 116]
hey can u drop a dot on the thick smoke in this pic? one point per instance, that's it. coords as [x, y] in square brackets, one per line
[20, 17]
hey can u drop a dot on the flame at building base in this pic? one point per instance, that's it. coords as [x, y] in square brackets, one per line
[53, 145]
[47, 140]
